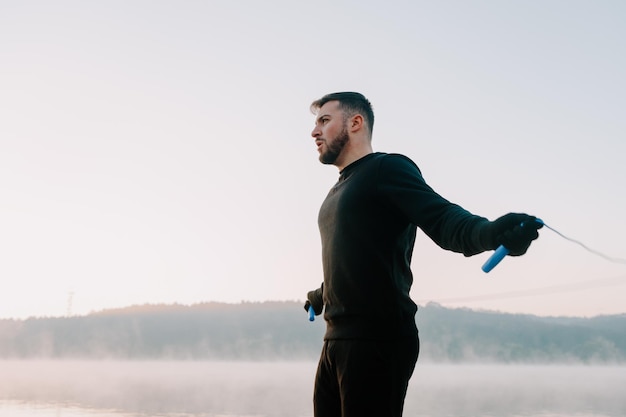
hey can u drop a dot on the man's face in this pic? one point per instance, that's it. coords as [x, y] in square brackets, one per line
[330, 133]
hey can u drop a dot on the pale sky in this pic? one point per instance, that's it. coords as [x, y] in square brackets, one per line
[160, 151]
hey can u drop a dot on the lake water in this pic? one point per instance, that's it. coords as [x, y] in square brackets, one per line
[284, 389]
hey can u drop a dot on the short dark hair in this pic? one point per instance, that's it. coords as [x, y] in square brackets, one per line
[350, 104]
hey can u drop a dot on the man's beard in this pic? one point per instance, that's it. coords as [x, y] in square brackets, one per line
[334, 147]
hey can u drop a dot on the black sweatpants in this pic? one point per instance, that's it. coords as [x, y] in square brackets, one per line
[359, 378]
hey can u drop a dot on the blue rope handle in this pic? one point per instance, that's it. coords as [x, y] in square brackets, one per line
[500, 254]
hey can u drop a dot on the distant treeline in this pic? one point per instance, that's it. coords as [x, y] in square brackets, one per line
[281, 331]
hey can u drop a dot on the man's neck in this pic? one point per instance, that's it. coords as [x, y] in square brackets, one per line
[341, 166]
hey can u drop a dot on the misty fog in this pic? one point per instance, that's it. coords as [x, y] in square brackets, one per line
[163, 387]
[208, 389]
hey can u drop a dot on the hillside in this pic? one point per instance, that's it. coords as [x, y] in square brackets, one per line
[281, 331]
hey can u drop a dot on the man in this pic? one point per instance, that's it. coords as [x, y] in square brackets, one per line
[368, 224]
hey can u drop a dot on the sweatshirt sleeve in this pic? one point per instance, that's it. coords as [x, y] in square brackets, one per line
[449, 225]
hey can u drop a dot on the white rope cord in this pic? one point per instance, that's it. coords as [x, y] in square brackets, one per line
[595, 252]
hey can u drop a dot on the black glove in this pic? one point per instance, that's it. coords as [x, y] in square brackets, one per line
[515, 231]
[315, 299]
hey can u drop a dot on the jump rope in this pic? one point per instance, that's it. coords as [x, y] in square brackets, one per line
[501, 252]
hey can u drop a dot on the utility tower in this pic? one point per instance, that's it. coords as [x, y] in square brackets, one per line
[70, 300]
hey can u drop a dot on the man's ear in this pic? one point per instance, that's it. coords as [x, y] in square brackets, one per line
[356, 123]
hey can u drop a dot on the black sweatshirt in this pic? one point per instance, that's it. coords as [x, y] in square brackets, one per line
[368, 224]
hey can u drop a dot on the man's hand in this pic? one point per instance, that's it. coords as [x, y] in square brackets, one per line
[515, 231]
[315, 299]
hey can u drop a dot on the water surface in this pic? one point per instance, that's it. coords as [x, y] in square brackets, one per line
[284, 389]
